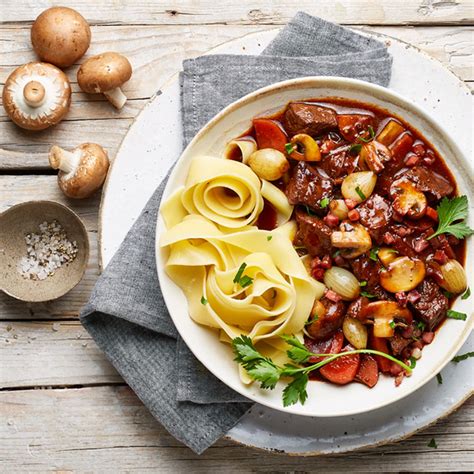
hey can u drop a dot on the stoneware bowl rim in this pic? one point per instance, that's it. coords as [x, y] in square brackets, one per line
[193, 336]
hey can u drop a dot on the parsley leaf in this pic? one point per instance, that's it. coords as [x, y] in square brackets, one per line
[432, 444]
[312, 320]
[360, 193]
[298, 351]
[363, 283]
[412, 362]
[296, 390]
[265, 372]
[392, 324]
[309, 211]
[355, 148]
[461, 357]
[439, 378]
[324, 203]
[421, 325]
[367, 295]
[373, 255]
[203, 300]
[447, 294]
[244, 350]
[239, 273]
[372, 135]
[269, 237]
[450, 211]
[290, 148]
[242, 280]
[245, 281]
[467, 294]
[456, 315]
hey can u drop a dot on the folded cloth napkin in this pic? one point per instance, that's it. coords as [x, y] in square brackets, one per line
[126, 314]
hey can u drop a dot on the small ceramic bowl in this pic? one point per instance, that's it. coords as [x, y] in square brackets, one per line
[25, 218]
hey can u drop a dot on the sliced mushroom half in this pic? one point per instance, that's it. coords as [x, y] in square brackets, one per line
[352, 239]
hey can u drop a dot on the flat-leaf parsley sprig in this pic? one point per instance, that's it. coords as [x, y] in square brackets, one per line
[262, 369]
[452, 214]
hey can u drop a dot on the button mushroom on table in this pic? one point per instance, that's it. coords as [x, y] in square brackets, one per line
[36, 95]
[60, 36]
[81, 171]
[104, 74]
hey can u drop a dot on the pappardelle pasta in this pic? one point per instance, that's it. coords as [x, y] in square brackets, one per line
[237, 278]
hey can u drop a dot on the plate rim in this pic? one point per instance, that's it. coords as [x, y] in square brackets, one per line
[267, 32]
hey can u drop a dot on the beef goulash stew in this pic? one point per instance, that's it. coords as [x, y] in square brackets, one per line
[377, 222]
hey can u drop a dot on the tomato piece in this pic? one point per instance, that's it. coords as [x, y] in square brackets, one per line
[380, 344]
[270, 134]
[332, 345]
[343, 370]
[368, 372]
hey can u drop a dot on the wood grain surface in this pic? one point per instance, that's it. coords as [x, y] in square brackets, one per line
[63, 407]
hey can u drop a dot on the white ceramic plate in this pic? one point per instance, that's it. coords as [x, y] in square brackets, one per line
[323, 399]
[131, 183]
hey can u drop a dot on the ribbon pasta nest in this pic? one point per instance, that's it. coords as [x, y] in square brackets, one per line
[237, 278]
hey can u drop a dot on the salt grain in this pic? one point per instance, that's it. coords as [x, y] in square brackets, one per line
[46, 251]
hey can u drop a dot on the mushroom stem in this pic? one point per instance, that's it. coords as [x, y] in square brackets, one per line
[63, 160]
[34, 93]
[116, 97]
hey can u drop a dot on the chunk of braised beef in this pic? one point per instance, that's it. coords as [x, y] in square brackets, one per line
[330, 322]
[355, 308]
[308, 185]
[386, 176]
[398, 343]
[401, 244]
[312, 233]
[308, 118]
[429, 181]
[432, 305]
[339, 163]
[354, 126]
[367, 270]
[375, 214]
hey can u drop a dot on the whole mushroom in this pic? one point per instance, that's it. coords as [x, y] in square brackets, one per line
[81, 171]
[60, 36]
[104, 74]
[36, 95]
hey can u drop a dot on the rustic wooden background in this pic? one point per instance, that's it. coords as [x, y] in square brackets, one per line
[62, 405]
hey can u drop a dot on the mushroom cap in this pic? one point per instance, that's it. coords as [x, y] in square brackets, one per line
[90, 173]
[56, 101]
[103, 73]
[60, 36]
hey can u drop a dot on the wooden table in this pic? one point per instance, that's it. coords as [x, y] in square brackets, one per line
[63, 407]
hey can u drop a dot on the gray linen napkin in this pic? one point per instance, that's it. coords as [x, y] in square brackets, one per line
[126, 314]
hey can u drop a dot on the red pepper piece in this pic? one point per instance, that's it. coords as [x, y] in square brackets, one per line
[343, 370]
[368, 372]
[269, 134]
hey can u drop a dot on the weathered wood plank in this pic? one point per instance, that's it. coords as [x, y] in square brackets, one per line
[155, 55]
[247, 12]
[108, 428]
[51, 354]
[17, 189]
